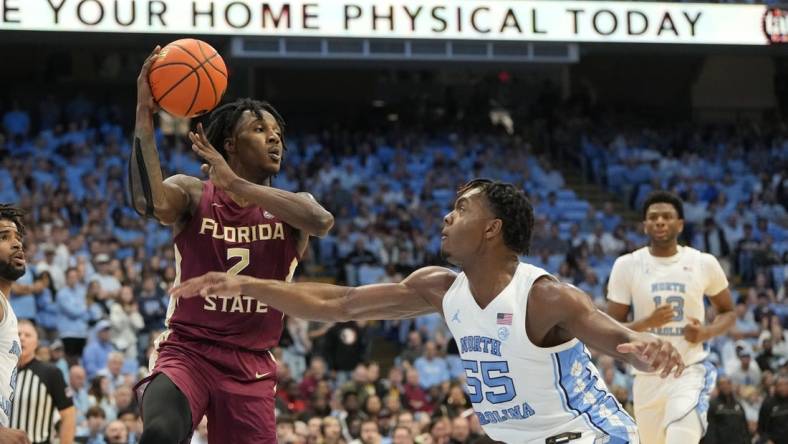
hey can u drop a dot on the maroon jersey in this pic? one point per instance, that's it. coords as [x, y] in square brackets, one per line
[223, 236]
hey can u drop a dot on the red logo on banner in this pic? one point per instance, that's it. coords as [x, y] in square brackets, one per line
[775, 25]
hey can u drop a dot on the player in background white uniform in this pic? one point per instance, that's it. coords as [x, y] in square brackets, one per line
[529, 378]
[664, 284]
[12, 267]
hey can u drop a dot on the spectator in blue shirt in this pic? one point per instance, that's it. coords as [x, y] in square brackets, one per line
[79, 393]
[96, 419]
[98, 349]
[16, 122]
[610, 219]
[72, 318]
[46, 305]
[433, 370]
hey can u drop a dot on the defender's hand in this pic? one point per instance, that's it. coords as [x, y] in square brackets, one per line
[654, 354]
[214, 283]
[144, 94]
[215, 165]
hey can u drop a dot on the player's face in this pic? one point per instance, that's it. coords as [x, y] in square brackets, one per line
[12, 255]
[258, 142]
[464, 227]
[662, 223]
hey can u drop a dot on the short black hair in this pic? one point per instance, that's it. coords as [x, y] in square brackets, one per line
[225, 118]
[509, 204]
[661, 196]
[95, 411]
[14, 214]
[128, 410]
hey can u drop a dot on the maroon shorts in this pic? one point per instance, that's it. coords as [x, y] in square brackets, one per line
[235, 388]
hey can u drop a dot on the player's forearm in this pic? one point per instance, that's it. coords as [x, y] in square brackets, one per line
[722, 323]
[145, 176]
[325, 302]
[313, 301]
[297, 210]
[68, 425]
[640, 325]
[602, 332]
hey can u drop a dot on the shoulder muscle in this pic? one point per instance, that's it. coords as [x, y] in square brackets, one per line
[431, 283]
[546, 295]
[182, 196]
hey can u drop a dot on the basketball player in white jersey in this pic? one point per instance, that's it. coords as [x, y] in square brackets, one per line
[529, 378]
[664, 284]
[12, 267]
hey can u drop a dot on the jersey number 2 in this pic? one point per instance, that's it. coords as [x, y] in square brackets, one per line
[242, 253]
[476, 389]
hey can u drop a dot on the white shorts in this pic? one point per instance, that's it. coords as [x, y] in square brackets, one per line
[660, 402]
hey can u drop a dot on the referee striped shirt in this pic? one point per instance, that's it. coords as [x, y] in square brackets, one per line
[40, 389]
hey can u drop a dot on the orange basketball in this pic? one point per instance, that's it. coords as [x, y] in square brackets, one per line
[188, 78]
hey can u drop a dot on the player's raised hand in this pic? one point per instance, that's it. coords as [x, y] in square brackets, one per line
[214, 283]
[694, 331]
[144, 94]
[215, 165]
[661, 316]
[654, 354]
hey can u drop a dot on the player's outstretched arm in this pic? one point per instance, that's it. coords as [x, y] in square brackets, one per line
[419, 294]
[299, 210]
[151, 195]
[569, 309]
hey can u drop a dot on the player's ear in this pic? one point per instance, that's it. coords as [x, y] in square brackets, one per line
[681, 225]
[493, 228]
[229, 145]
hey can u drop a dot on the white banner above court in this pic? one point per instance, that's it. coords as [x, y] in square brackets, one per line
[557, 21]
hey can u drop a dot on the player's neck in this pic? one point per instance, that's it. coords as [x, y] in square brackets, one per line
[243, 172]
[665, 250]
[487, 277]
[5, 288]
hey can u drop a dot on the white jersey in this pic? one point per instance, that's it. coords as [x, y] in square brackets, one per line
[9, 357]
[520, 392]
[644, 282]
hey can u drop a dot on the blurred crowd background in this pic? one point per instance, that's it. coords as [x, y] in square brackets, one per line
[98, 274]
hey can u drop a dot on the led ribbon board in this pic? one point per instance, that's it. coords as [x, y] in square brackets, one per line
[491, 20]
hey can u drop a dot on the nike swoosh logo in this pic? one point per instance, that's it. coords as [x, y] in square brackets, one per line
[261, 376]
[218, 205]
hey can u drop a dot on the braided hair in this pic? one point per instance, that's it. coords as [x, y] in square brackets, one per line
[225, 118]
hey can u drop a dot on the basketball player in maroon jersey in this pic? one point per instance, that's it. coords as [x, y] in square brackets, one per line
[214, 358]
